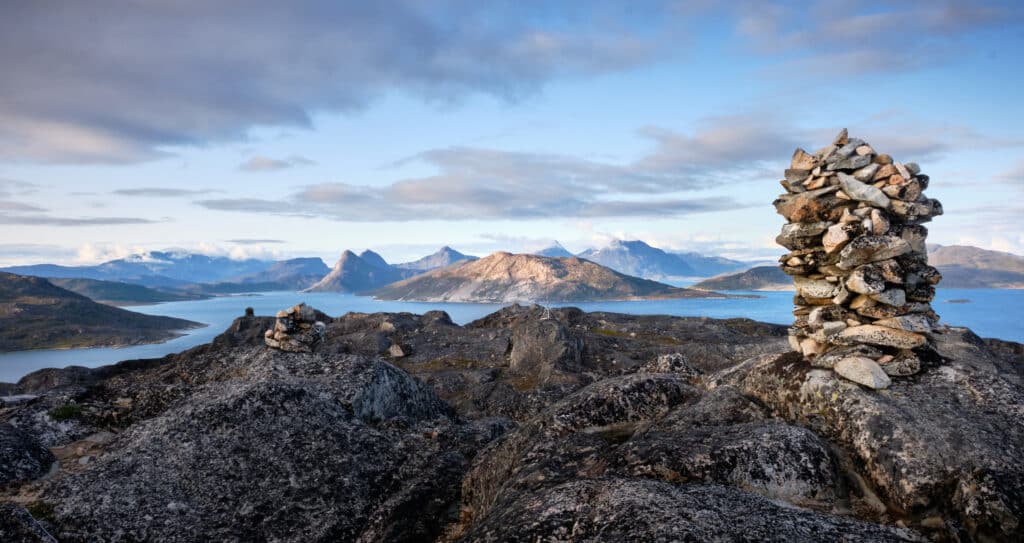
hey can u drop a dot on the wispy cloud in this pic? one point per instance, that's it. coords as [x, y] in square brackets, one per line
[475, 183]
[854, 38]
[48, 220]
[161, 192]
[267, 164]
[247, 241]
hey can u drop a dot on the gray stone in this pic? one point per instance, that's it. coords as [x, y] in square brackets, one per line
[893, 296]
[881, 335]
[866, 280]
[862, 192]
[863, 371]
[867, 173]
[915, 322]
[815, 288]
[904, 364]
[866, 249]
[837, 236]
[850, 163]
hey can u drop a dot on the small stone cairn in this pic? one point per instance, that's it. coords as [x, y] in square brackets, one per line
[296, 330]
[858, 259]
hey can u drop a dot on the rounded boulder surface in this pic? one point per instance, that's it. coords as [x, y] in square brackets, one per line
[22, 458]
[617, 509]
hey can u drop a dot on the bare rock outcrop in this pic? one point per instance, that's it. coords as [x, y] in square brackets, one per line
[22, 458]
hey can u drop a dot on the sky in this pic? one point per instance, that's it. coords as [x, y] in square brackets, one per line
[283, 129]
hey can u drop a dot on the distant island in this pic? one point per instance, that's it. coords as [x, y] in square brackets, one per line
[759, 278]
[505, 277]
[36, 314]
[122, 294]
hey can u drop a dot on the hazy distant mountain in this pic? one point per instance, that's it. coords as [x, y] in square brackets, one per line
[35, 314]
[354, 274]
[704, 266]
[759, 278]
[554, 250]
[504, 277]
[639, 259]
[446, 256]
[964, 266]
[293, 274]
[154, 268]
[118, 293]
[974, 257]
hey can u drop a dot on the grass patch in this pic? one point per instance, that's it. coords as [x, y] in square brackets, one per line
[67, 411]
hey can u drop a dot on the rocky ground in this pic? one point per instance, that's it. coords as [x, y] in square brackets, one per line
[527, 425]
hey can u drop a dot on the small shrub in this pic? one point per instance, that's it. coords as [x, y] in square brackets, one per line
[66, 412]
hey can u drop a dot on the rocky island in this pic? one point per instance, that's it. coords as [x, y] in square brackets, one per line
[506, 277]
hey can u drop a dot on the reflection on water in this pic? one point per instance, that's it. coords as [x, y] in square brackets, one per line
[990, 313]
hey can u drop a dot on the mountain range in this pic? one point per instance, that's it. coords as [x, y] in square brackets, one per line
[962, 267]
[637, 258]
[173, 275]
[446, 256]
[505, 277]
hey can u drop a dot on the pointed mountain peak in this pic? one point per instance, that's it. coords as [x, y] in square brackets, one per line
[374, 259]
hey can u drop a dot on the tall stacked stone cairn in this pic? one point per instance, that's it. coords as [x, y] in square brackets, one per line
[295, 330]
[858, 260]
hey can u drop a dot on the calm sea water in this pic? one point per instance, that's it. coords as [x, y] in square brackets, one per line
[990, 313]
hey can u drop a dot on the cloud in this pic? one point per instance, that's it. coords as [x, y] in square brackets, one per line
[1013, 176]
[852, 38]
[160, 192]
[267, 164]
[18, 206]
[475, 183]
[47, 220]
[99, 83]
[256, 241]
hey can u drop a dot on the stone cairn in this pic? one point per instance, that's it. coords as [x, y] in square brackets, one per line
[296, 330]
[858, 260]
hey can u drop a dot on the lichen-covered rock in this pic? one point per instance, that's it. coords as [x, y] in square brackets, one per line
[18, 526]
[620, 509]
[541, 346]
[953, 426]
[305, 452]
[22, 458]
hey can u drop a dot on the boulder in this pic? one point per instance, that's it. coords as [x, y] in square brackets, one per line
[22, 458]
[873, 334]
[620, 509]
[863, 371]
[941, 441]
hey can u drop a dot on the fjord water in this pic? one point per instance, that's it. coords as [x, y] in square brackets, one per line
[989, 312]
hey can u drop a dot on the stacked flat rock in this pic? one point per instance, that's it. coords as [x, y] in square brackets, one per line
[858, 259]
[296, 330]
